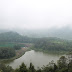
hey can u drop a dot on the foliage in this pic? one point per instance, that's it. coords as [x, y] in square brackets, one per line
[17, 47]
[50, 44]
[31, 68]
[6, 52]
[13, 37]
[4, 68]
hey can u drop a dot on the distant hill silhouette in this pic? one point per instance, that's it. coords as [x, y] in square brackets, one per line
[64, 33]
[12, 37]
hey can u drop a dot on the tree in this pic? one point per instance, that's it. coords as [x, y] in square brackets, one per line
[62, 64]
[23, 68]
[6, 52]
[4, 68]
[17, 47]
[31, 68]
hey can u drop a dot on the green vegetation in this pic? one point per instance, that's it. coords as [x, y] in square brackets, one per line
[4, 68]
[10, 50]
[6, 53]
[63, 65]
[6, 44]
[17, 47]
[13, 37]
[53, 44]
[11, 44]
[15, 41]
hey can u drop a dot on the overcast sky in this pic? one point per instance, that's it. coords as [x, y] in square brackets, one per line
[35, 14]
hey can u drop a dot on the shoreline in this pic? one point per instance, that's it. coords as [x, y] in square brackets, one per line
[51, 52]
[19, 53]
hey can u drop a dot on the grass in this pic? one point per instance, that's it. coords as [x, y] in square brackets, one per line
[11, 45]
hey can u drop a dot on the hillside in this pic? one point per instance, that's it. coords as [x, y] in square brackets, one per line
[53, 44]
[63, 33]
[12, 37]
[45, 43]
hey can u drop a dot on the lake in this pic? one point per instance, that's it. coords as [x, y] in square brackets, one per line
[37, 58]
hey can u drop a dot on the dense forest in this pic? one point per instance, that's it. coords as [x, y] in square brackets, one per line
[63, 65]
[13, 37]
[6, 52]
[53, 44]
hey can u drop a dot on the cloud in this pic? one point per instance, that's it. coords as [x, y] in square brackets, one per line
[35, 14]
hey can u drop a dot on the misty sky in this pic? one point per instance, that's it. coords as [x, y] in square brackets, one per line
[35, 14]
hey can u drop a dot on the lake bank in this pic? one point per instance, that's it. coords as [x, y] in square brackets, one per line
[19, 53]
[51, 52]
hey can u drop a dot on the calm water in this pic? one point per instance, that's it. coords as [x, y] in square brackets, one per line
[37, 58]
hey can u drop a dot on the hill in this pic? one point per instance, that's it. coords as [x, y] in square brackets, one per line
[53, 44]
[12, 37]
[64, 33]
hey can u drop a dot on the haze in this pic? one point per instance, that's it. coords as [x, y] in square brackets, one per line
[35, 14]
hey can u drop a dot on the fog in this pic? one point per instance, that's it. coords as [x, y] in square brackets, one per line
[35, 14]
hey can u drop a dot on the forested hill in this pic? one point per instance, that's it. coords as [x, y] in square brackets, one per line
[42, 42]
[63, 33]
[53, 44]
[13, 37]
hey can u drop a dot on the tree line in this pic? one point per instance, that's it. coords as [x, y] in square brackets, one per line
[53, 45]
[7, 52]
